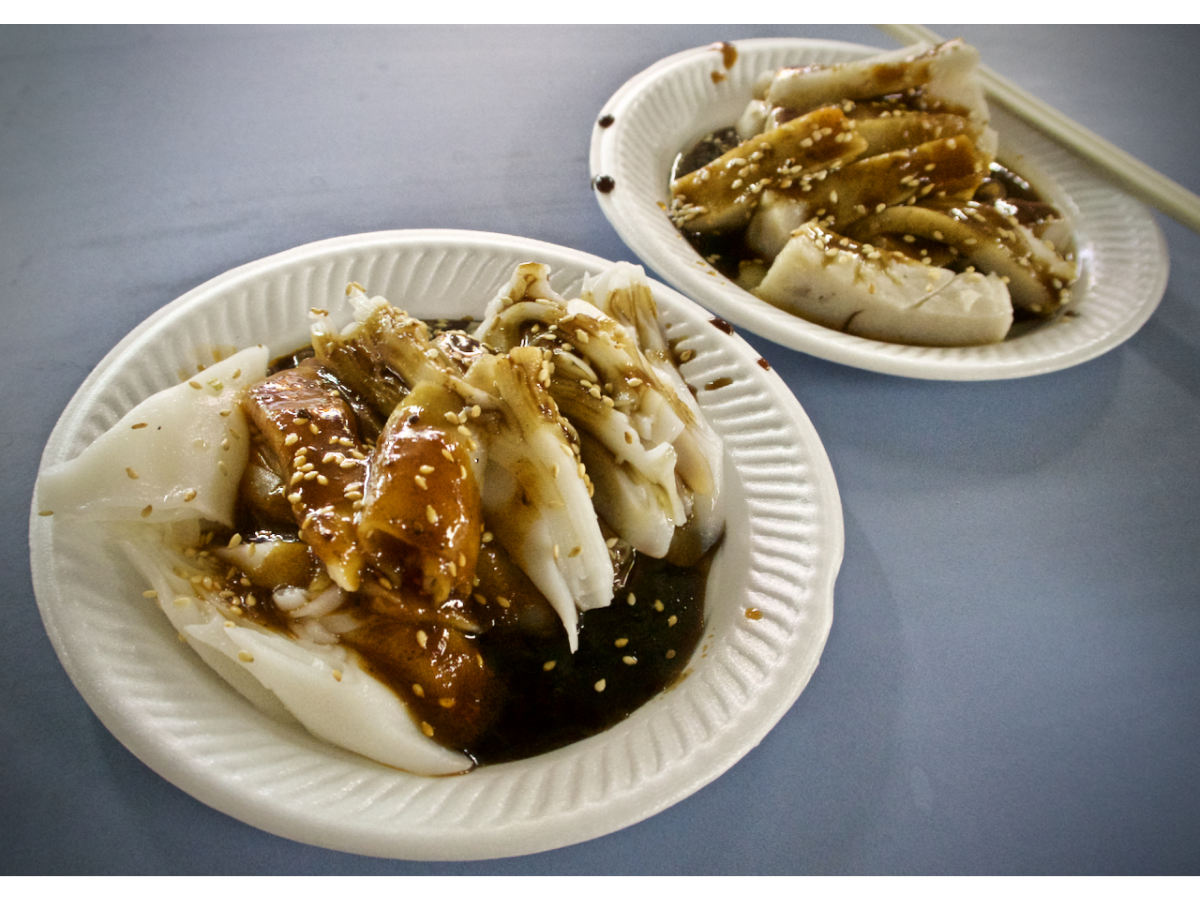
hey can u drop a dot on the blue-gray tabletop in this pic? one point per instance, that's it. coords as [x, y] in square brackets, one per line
[1012, 682]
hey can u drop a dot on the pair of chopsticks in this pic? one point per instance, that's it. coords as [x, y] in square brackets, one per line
[1131, 174]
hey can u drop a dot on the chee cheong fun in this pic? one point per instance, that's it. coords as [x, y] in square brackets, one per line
[431, 546]
[866, 197]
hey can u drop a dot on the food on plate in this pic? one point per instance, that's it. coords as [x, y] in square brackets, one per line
[839, 184]
[436, 545]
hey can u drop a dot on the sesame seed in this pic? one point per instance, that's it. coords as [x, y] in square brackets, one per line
[146, 512]
[671, 621]
[425, 470]
[245, 657]
[629, 660]
[549, 665]
[337, 675]
[427, 729]
[420, 481]
[422, 639]
[446, 702]
[194, 384]
[130, 472]
[431, 515]
[630, 598]
[620, 642]
[235, 540]
[291, 439]
[418, 690]
[670, 654]
[658, 606]
[139, 425]
[599, 685]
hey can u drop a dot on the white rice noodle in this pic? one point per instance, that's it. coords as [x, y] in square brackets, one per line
[179, 454]
[313, 680]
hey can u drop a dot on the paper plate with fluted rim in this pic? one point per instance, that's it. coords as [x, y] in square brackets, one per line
[666, 108]
[778, 561]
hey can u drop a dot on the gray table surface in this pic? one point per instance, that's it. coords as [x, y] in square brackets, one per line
[1012, 682]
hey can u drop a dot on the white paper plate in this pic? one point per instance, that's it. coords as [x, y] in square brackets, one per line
[683, 97]
[781, 554]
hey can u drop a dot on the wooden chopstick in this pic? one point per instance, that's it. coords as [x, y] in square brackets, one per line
[1132, 175]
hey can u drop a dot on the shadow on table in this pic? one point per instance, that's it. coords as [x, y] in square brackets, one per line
[930, 428]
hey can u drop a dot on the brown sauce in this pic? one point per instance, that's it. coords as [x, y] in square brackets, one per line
[729, 53]
[513, 689]
[544, 709]
[721, 325]
[728, 253]
[712, 146]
